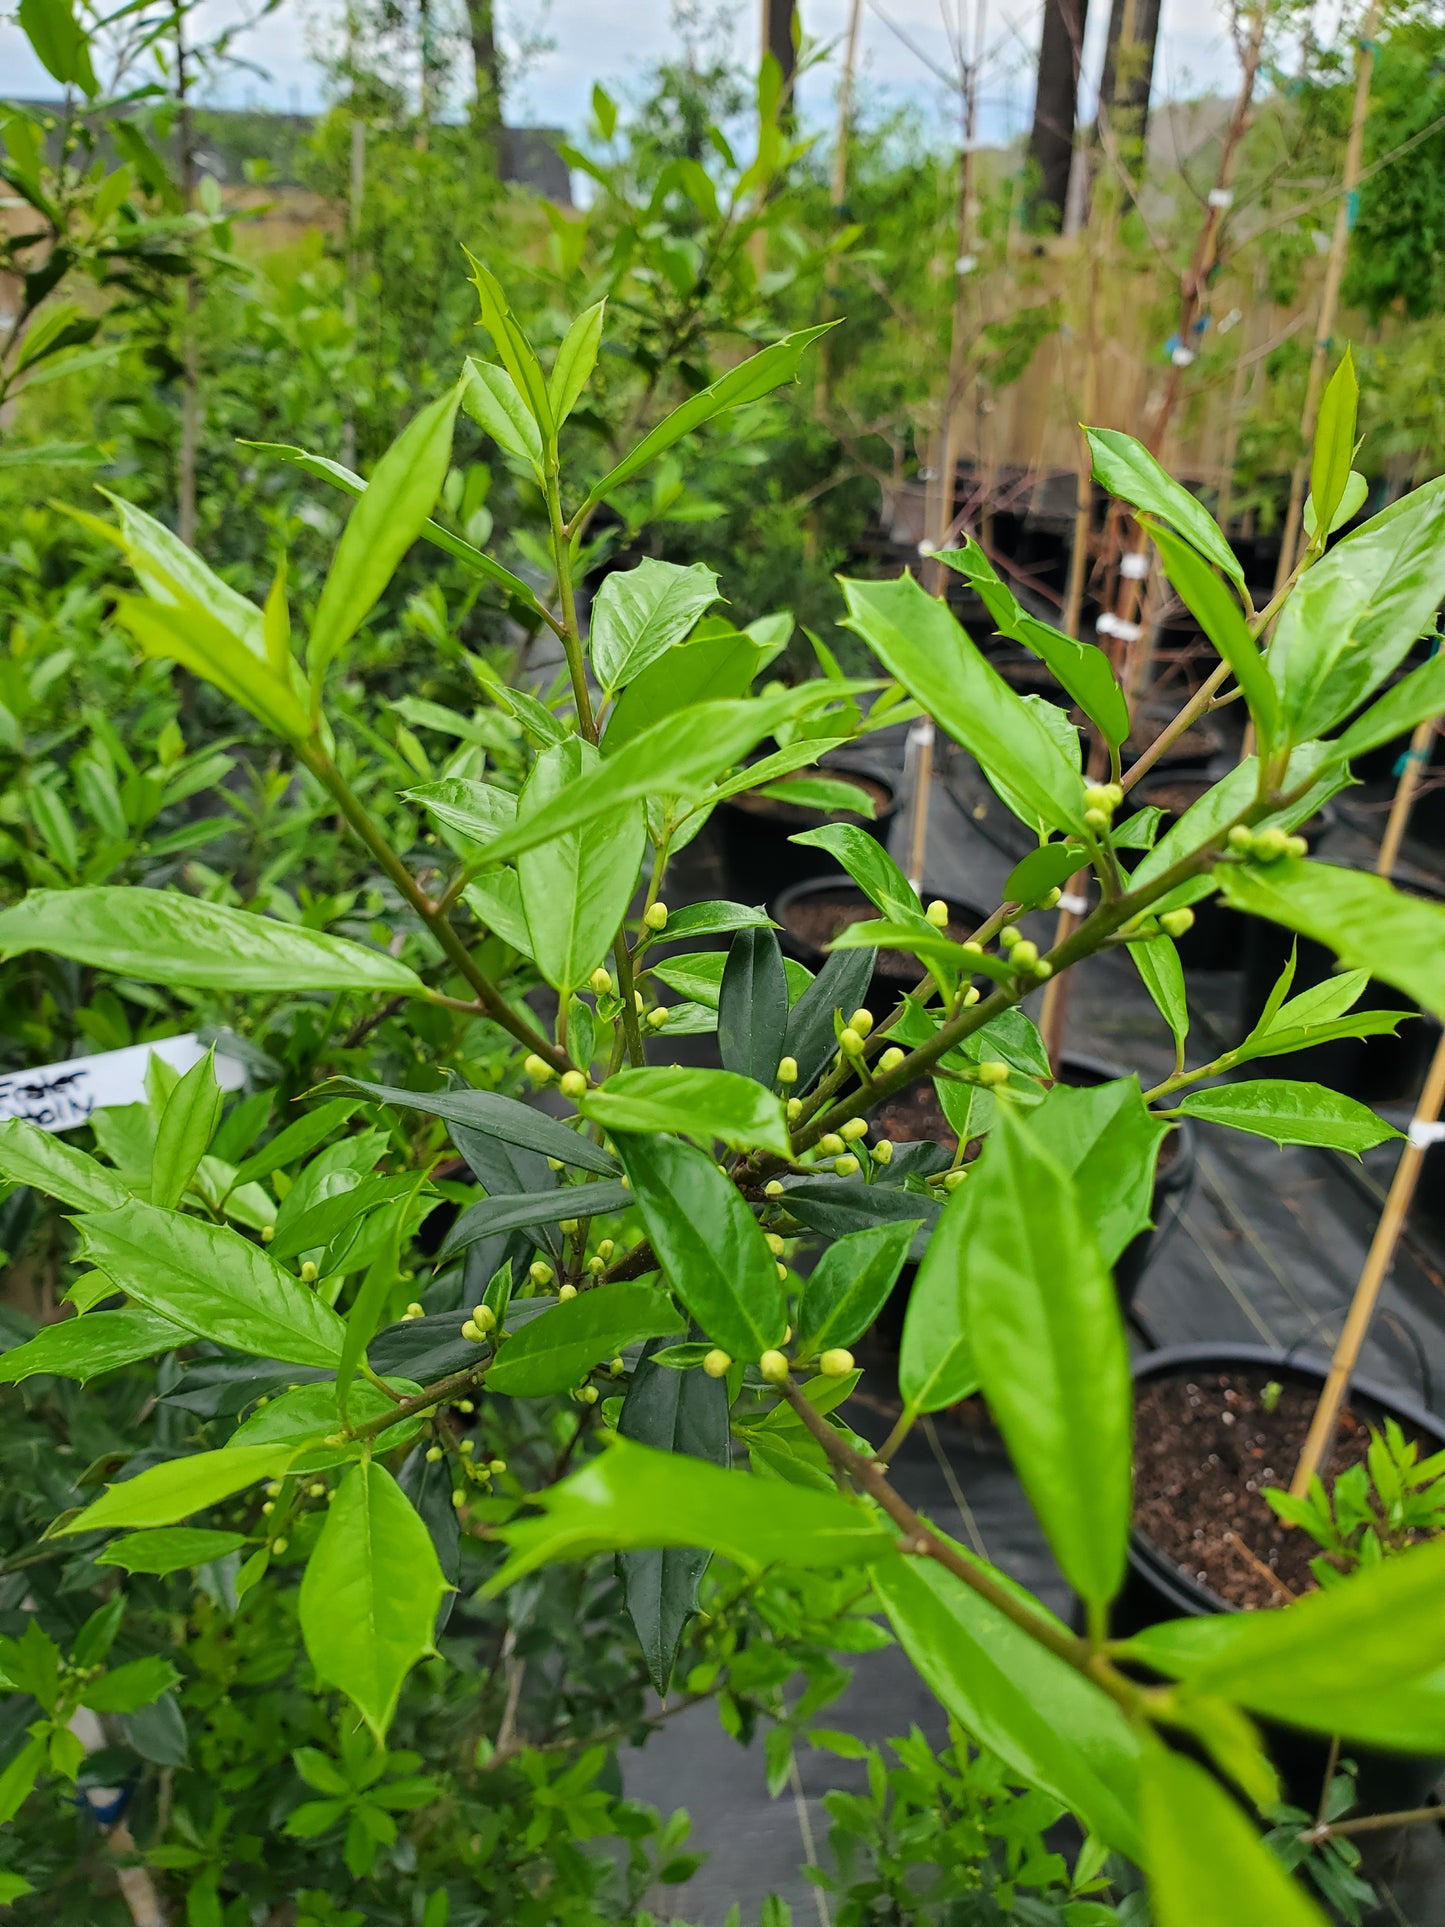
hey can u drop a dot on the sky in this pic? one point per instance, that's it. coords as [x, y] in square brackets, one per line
[615, 41]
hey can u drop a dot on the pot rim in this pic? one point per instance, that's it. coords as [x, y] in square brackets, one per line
[1156, 1566]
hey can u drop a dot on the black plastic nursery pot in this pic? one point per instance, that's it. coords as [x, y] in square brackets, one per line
[1160, 1586]
[810, 914]
[754, 831]
[1376, 1070]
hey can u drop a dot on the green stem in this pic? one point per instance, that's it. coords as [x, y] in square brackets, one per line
[488, 996]
[566, 590]
[921, 1540]
[455, 1385]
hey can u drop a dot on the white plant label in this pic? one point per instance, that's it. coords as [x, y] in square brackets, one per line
[60, 1097]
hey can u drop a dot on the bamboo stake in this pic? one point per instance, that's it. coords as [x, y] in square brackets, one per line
[1377, 1268]
[1330, 294]
[839, 191]
[1415, 759]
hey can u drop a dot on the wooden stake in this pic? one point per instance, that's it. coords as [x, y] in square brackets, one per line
[1377, 1268]
[1410, 776]
[1330, 294]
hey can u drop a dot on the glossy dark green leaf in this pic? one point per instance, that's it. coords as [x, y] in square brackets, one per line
[849, 1285]
[699, 1103]
[1366, 921]
[1041, 1314]
[869, 865]
[842, 984]
[640, 614]
[753, 1007]
[1083, 669]
[837, 1207]
[158, 1732]
[169, 1549]
[387, 519]
[1354, 616]
[749, 381]
[99, 1342]
[576, 886]
[1047, 868]
[672, 1411]
[1208, 1866]
[212, 1281]
[1125, 468]
[936, 1366]
[920, 643]
[490, 1115]
[708, 1243]
[164, 937]
[555, 1352]
[498, 1214]
[31, 1156]
[164, 1494]
[1288, 1112]
[1051, 1726]
[1107, 1139]
[370, 1593]
[633, 1497]
[1222, 620]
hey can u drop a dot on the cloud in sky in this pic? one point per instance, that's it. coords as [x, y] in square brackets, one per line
[616, 41]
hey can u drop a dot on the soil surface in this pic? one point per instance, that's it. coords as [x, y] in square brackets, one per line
[817, 918]
[1204, 1449]
[1179, 796]
[915, 1116]
[795, 815]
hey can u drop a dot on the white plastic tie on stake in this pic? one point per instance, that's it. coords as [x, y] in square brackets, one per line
[61, 1097]
[1182, 357]
[1134, 567]
[1424, 1132]
[1221, 197]
[1076, 906]
[921, 735]
[965, 264]
[1111, 625]
[926, 547]
[106, 1803]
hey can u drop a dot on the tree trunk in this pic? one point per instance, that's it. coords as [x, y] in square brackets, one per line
[778, 17]
[1051, 144]
[1128, 76]
[486, 65]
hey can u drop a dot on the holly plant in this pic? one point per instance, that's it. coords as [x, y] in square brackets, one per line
[680, 1259]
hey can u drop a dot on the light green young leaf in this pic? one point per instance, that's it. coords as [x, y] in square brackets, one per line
[748, 382]
[1356, 494]
[921, 644]
[1355, 615]
[477, 810]
[518, 356]
[849, 1285]
[387, 519]
[101, 1341]
[364, 1314]
[309, 1414]
[169, 1549]
[212, 1281]
[1334, 448]
[708, 1244]
[183, 1136]
[678, 756]
[1051, 1726]
[1083, 669]
[191, 637]
[869, 865]
[1041, 1313]
[1292, 1113]
[576, 358]
[1125, 468]
[708, 668]
[125, 1689]
[1047, 868]
[698, 976]
[576, 886]
[495, 899]
[632, 1496]
[163, 1494]
[695, 1103]
[295, 1140]
[370, 1594]
[639, 614]
[62, 47]
[1413, 700]
[1366, 921]
[1222, 620]
[936, 1365]
[1157, 962]
[1207, 1865]
[163, 937]
[490, 397]
[1107, 1139]
[556, 1351]
[29, 1155]
[325, 470]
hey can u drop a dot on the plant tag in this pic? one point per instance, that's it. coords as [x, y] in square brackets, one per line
[60, 1097]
